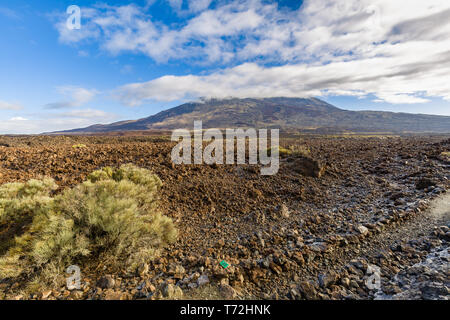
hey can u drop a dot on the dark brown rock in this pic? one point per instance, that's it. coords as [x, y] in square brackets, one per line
[308, 167]
[106, 282]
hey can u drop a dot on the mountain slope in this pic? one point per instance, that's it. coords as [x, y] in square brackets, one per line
[287, 113]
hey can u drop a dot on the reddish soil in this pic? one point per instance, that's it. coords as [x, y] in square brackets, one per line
[279, 233]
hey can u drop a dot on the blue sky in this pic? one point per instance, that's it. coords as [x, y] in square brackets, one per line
[133, 59]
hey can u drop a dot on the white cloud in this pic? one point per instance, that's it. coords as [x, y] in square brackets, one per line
[129, 28]
[87, 30]
[48, 122]
[175, 4]
[83, 54]
[87, 114]
[77, 97]
[18, 119]
[193, 6]
[126, 69]
[199, 5]
[9, 13]
[398, 98]
[10, 106]
[383, 77]
[398, 51]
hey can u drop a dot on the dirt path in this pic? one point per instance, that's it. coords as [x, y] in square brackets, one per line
[428, 278]
[418, 227]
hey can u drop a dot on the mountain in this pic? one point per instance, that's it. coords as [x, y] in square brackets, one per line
[286, 113]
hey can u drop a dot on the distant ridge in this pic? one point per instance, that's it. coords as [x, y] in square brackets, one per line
[286, 113]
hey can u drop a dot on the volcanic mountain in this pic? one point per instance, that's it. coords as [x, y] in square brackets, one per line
[312, 115]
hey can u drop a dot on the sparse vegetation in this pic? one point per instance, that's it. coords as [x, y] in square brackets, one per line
[79, 146]
[112, 217]
[299, 150]
[283, 152]
[292, 150]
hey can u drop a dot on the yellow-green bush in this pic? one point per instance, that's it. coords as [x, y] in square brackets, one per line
[283, 152]
[299, 150]
[110, 217]
[291, 151]
[21, 200]
[79, 146]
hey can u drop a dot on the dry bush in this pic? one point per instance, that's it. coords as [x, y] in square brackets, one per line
[110, 217]
[299, 150]
[291, 151]
[79, 146]
[21, 200]
[282, 152]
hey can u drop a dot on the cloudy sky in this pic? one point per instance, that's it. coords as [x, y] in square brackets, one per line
[133, 59]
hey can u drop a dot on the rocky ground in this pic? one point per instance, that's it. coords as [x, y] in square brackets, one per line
[429, 278]
[316, 230]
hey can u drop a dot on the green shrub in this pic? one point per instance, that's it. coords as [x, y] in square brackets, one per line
[110, 218]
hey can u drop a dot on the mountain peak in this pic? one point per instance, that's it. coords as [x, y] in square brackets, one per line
[276, 112]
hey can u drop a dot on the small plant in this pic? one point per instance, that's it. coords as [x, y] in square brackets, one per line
[291, 151]
[79, 146]
[299, 150]
[110, 218]
[283, 152]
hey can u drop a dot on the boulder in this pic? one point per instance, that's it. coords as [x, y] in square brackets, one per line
[424, 183]
[308, 290]
[171, 291]
[227, 291]
[308, 167]
[203, 280]
[106, 282]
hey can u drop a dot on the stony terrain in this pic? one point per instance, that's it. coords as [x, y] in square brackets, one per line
[300, 234]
